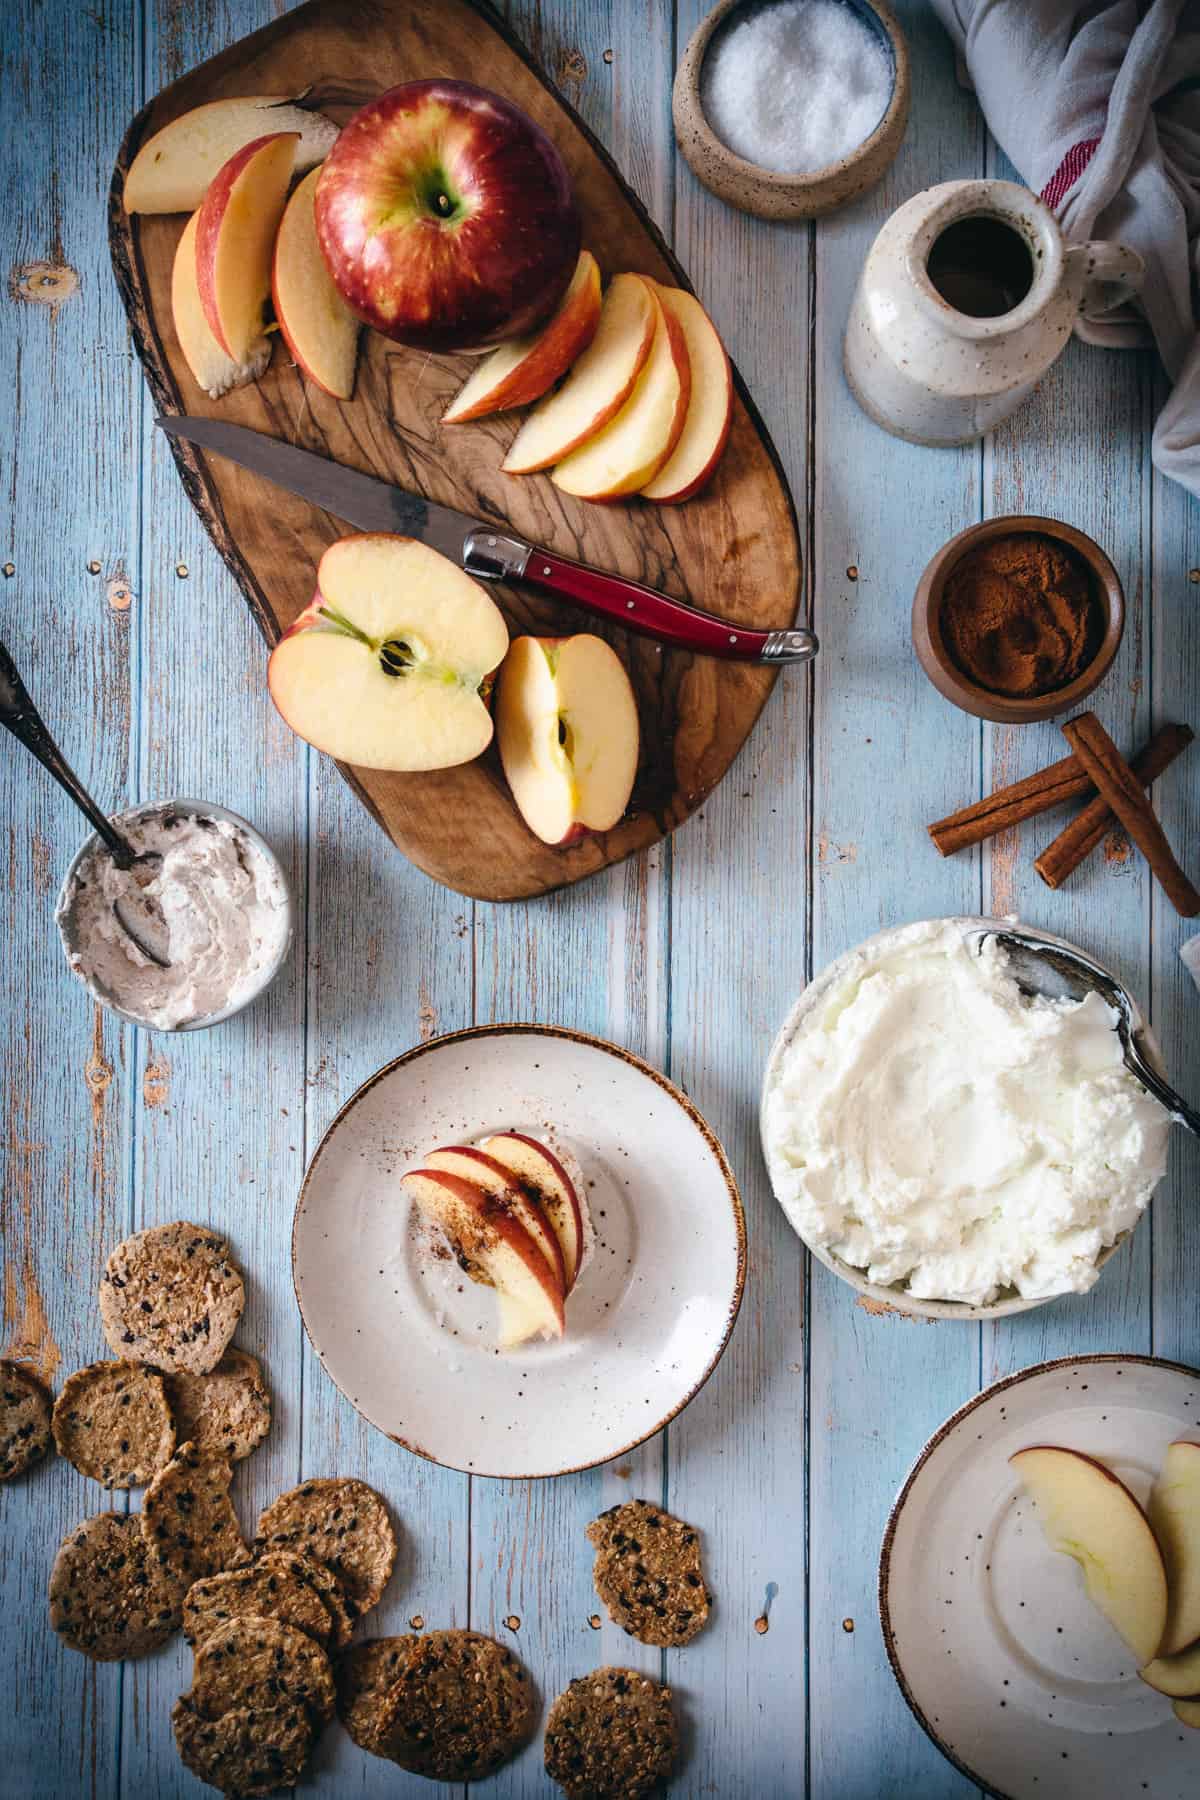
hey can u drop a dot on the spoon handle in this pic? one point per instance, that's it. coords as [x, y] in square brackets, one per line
[1180, 1111]
[21, 717]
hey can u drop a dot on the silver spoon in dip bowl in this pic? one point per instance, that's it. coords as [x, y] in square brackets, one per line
[137, 912]
[1057, 971]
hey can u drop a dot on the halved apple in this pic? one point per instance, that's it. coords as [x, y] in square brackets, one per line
[628, 452]
[1188, 1713]
[519, 372]
[506, 1194]
[710, 406]
[492, 1246]
[386, 667]
[1175, 1516]
[319, 329]
[235, 235]
[567, 726]
[598, 385]
[1177, 1676]
[214, 370]
[1089, 1514]
[540, 1173]
[173, 168]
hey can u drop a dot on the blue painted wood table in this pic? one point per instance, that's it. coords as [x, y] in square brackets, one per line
[130, 631]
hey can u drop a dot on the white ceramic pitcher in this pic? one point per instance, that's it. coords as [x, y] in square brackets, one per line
[941, 357]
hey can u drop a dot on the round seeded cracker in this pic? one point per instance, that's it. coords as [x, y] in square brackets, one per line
[246, 1751]
[648, 1573]
[611, 1735]
[112, 1422]
[325, 1585]
[171, 1296]
[226, 1412]
[266, 1589]
[365, 1675]
[107, 1597]
[188, 1519]
[342, 1523]
[461, 1707]
[259, 1662]
[24, 1420]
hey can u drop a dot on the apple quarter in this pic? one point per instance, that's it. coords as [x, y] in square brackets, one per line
[412, 1342]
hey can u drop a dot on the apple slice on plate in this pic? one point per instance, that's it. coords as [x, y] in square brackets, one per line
[1089, 1514]
[710, 405]
[386, 667]
[493, 1247]
[599, 384]
[504, 1193]
[1188, 1713]
[519, 372]
[172, 170]
[628, 452]
[1175, 1516]
[214, 370]
[1176, 1676]
[235, 236]
[318, 328]
[567, 726]
[540, 1173]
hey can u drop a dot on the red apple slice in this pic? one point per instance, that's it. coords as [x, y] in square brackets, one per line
[710, 407]
[173, 168]
[497, 1183]
[235, 235]
[540, 1173]
[489, 1239]
[318, 328]
[1188, 1713]
[567, 727]
[598, 385]
[385, 668]
[1175, 1516]
[628, 452]
[1176, 1676]
[213, 370]
[519, 372]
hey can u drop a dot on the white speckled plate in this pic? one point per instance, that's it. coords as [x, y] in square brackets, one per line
[998, 1650]
[411, 1341]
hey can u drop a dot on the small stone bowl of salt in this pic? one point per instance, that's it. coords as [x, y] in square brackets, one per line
[789, 108]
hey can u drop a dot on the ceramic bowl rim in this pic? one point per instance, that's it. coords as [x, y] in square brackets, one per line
[212, 809]
[696, 1118]
[895, 1299]
[893, 1519]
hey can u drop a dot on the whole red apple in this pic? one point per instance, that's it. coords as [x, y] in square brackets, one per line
[445, 217]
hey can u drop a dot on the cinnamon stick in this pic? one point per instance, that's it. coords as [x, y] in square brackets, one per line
[1116, 781]
[1075, 844]
[1064, 780]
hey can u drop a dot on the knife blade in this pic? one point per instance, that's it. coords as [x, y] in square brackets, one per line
[485, 548]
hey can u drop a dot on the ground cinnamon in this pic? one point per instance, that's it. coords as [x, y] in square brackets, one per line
[1019, 615]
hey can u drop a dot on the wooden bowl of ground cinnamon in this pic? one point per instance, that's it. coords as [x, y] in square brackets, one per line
[1017, 619]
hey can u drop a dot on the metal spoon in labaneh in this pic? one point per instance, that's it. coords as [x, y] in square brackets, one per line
[139, 914]
[1059, 973]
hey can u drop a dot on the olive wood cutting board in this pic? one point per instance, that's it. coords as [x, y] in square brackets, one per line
[733, 550]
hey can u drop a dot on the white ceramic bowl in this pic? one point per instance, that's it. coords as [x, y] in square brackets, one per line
[897, 1297]
[1016, 1676]
[205, 809]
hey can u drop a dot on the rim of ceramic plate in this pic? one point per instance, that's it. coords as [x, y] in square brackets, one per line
[711, 1140]
[893, 1519]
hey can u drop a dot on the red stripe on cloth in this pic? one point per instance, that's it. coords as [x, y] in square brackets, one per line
[1068, 172]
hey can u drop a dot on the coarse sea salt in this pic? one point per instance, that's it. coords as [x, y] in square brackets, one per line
[794, 85]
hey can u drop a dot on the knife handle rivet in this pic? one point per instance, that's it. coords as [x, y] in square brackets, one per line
[733, 637]
[629, 606]
[491, 543]
[545, 569]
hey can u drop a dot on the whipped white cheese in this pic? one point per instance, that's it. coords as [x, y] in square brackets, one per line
[934, 1127]
[224, 904]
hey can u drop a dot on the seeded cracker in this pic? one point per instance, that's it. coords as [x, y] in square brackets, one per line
[259, 1662]
[460, 1707]
[611, 1736]
[244, 1752]
[107, 1596]
[172, 1296]
[24, 1420]
[112, 1422]
[267, 1589]
[365, 1675]
[226, 1412]
[188, 1519]
[325, 1585]
[342, 1523]
[648, 1573]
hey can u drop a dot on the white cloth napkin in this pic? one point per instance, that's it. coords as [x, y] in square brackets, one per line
[1098, 106]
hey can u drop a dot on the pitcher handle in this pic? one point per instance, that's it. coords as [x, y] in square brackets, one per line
[1111, 275]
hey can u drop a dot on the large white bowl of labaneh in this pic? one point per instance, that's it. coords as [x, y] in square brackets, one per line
[949, 1146]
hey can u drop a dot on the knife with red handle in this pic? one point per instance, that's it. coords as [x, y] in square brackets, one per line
[486, 550]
